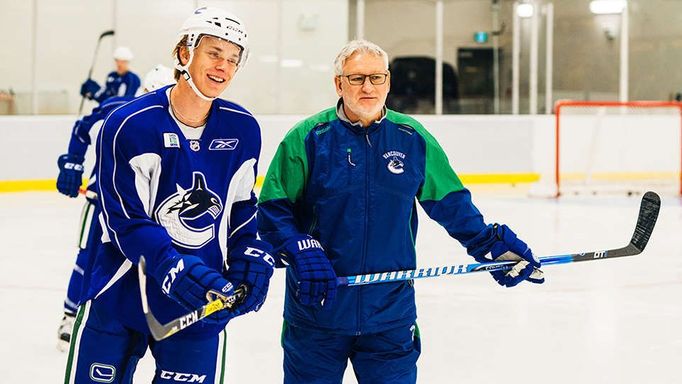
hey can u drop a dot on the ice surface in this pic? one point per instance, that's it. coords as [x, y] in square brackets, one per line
[612, 321]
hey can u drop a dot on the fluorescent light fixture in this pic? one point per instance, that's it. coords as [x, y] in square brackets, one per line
[524, 10]
[607, 7]
[269, 59]
[291, 63]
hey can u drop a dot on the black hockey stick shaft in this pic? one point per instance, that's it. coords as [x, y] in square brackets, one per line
[161, 331]
[646, 220]
[92, 65]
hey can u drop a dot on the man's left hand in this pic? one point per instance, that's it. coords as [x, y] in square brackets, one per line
[508, 247]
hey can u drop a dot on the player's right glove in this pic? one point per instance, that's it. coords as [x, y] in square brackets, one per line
[314, 273]
[70, 174]
[503, 245]
[252, 265]
[190, 282]
[89, 88]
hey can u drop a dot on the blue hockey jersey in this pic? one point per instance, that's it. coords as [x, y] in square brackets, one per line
[355, 190]
[80, 134]
[118, 85]
[163, 195]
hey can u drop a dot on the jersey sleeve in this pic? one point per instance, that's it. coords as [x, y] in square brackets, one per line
[443, 196]
[243, 224]
[127, 163]
[282, 189]
[132, 84]
[80, 134]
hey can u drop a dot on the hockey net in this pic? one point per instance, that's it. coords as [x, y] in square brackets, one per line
[617, 148]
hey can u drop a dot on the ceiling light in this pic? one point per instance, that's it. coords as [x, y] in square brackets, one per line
[607, 7]
[524, 10]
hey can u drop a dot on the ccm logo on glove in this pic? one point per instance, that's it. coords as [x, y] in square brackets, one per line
[258, 253]
[171, 275]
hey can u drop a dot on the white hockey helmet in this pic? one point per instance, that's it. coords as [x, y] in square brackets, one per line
[158, 77]
[218, 23]
[212, 22]
[123, 53]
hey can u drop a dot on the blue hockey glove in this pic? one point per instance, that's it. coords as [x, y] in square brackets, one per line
[251, 265]
[70, 174]
[89, 88]
[187, 280]
[503, 245]
[314, 272]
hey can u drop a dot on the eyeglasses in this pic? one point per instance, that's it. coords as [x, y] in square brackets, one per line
[358, 79]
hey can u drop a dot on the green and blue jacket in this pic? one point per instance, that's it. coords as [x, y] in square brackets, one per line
[355, 189]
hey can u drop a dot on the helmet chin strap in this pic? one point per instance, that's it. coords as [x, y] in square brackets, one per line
[184, 71]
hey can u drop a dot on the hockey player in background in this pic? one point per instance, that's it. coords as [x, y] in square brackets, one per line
[121, 82]
[68, 183]
[176, 173]
[340, 199]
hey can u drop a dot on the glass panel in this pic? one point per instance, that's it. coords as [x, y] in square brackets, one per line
[410, 48]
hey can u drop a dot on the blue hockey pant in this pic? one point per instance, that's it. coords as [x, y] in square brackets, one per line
[89, 235]
[102, 350]
[319, 357]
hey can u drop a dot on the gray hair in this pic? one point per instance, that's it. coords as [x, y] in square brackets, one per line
[357, 46]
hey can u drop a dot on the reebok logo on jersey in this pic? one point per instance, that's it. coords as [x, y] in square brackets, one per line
[102, 373]
[171, 140]
[182, 377]
[223, 144]
[171, 275]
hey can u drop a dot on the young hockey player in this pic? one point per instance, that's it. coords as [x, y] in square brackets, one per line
[68, 183]
[121, 82]
[176, 173]
[340, 199]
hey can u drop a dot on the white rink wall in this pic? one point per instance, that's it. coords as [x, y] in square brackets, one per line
[475, 144]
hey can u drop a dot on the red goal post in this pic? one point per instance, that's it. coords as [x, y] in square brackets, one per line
[615, 126]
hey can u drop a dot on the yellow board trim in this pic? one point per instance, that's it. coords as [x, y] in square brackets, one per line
[499, 178]
[28, 185]
[51, 185]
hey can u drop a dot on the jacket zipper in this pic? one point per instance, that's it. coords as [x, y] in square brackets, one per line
[365, 246]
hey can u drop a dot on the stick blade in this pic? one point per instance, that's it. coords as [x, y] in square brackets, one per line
[648, 214]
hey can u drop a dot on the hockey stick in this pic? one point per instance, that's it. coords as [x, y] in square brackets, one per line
[648, 213]
[161, 331]
[92, 66]
[88, 193]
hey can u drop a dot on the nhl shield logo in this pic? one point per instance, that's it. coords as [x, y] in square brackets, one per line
[395, 162]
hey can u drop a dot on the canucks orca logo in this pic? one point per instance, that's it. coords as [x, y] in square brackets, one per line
[395, 164]
[189, 215]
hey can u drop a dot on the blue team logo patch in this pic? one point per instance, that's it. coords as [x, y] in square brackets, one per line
[102, 373]
[189, 215]
[223, 145]
[395, 162]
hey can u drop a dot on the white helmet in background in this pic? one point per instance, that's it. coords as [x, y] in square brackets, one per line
[157, 78]
[212, 22]
[123, 53]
